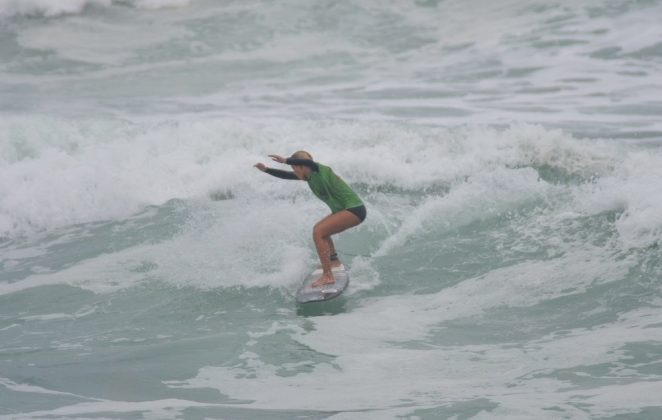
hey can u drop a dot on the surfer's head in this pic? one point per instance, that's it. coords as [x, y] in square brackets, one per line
[301, 172]
[301, 154]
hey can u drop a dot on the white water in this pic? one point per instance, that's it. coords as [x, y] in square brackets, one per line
[508, 155]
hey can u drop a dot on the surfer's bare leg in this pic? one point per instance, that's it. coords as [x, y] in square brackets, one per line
[331, 224]
[332, 250]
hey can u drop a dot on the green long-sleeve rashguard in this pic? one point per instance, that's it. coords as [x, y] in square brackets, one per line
[324, 183]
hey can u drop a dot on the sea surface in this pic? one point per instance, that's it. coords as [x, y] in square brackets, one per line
[509, 154]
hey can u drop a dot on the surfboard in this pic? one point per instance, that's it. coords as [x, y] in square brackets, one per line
[308, 294]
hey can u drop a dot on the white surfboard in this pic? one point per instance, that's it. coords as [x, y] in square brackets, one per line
[308, 294]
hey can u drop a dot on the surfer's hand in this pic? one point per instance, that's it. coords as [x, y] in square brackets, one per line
[260, 166]
[277, 158]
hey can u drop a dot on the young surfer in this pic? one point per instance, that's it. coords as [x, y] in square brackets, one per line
[347, 209]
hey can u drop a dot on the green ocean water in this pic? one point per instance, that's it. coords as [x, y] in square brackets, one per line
[508, 154]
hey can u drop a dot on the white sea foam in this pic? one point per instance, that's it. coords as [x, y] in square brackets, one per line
[55, 174]
[473, 60]
[85, 311]
[166, 408]
[229, 244]
[46, 7]
[445, 375]
[632, 188]
[141, 174]
[51, 8]
[517, 377]
[404, 318]
[17, 387]
[84, 173]
[483, 196]
[159, 4]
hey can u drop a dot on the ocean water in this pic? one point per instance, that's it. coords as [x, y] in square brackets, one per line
[509, 154]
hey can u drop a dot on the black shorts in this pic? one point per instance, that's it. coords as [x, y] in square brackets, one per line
[359, 211]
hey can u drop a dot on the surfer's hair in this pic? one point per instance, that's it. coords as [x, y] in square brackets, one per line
[302, 154]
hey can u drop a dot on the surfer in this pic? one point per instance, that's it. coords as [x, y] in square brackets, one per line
[347, 209]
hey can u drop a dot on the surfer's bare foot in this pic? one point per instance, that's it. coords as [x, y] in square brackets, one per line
[324, 280]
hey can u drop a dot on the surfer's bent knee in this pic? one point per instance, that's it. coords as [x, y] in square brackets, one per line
[317, 232]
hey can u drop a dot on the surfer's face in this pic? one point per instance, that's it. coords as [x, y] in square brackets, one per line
[301, 171]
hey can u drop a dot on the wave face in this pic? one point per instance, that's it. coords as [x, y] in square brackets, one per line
[508, 154]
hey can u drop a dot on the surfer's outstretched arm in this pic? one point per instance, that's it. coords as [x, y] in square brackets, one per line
[280, 174]
[276, 172]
